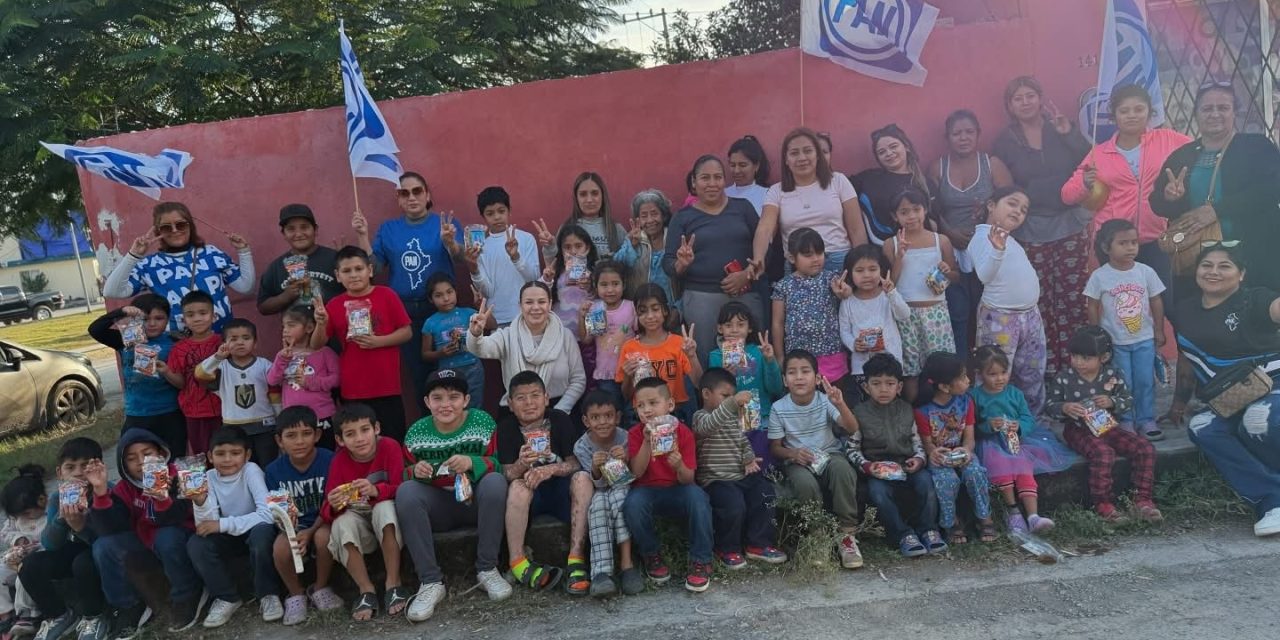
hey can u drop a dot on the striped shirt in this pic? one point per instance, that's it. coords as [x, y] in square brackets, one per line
[811, 426]
[722, 448]
[474, 438]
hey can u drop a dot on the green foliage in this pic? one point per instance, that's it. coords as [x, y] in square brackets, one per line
[740, 28]
[34, 281]
[79, 69]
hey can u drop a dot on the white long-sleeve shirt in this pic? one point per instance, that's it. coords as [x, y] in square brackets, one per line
[1011, 282]
[500, 279]
[865, 319]
[238, 502]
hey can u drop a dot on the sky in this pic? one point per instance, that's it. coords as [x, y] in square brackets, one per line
[639, 36]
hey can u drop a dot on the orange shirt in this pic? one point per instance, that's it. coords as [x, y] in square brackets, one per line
[668, 359]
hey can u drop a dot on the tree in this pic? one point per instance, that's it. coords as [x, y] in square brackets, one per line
[740, 28]
[76, 70]
[684, 41]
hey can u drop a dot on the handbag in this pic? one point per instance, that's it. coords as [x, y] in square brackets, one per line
[1184, 246]
[1231, 391]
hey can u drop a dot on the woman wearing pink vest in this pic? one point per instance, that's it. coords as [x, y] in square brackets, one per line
[1128, 166]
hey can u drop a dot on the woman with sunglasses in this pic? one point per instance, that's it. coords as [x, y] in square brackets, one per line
[182, 264]
[412, 248]
[1042, 148]
[1229, 326]
[880, 186]
[1225, 177]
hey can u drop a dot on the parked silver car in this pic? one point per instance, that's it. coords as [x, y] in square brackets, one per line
[42, 389]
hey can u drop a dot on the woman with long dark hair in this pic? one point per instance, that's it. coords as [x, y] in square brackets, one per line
[899, 169]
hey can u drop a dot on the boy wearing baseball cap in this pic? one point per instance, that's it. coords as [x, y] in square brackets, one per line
[305, 269]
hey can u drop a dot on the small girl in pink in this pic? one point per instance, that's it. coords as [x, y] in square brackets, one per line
[306, 377]
[609, 284]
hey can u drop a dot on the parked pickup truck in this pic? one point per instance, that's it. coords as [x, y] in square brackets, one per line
[17, 305]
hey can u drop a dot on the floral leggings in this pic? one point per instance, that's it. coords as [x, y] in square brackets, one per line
[947, 480]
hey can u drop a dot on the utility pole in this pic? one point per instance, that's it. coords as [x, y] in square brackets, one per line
[640, 17]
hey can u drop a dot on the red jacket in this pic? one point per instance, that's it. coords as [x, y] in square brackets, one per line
[126, 508]
[1129, 196]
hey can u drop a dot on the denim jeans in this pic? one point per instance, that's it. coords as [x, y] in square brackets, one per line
[1137, 363]
[882, 495]
[112, 553]
[962, 303]
[1246, 450]
[687, 501]
[211, 556]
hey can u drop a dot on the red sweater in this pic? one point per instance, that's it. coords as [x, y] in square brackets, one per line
[659, 472]
[389, 458]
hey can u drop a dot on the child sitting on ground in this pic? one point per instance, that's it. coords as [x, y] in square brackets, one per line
[888, 450]
[802, 436]
[605, 443]
[304, 375]
[24, 501]
[535, 449]
[1089, 397]
[360, 506]
[663, 461]
[241, 376]
[303, 471]
[232, 517]
[729, 471]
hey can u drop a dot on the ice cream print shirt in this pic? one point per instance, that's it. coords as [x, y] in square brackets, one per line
[1125, 299]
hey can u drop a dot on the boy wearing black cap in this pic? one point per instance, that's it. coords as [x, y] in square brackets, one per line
[306, 268]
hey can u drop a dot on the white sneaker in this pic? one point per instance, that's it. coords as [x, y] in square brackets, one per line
[220, 613]
[271, 608]
[494, 584]
[423, 604]
[1269, 525]
[850, 555]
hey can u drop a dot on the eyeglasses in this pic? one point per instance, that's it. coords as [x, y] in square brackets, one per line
[173, 227]
[1228, 244]
[416, 192]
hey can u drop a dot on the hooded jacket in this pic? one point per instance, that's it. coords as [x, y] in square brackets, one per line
[126, 508]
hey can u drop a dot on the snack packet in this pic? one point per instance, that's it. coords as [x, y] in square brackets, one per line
[597, 320]
[1009, 436]
[193, 479]
[296, 269]
[956, 457]
[887, 471]
[575, 268]
[733, 355]
[359, 317]
[663, 432]
[296, 372]
[19, 552]
[539, 440]
[74, 492]
[820, 460]
[1098, 420]
[937, 281]
[145, 357]
[749, 415]
[616, 472]
[644, 368]
[462, 488]
[349, 496]
[282, 498]
[475, 235]
[131, 331]
[155, 477]
[869, 340]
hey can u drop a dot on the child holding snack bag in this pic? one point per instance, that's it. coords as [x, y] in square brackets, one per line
[305, 376]
[602, 452]
[1011, 445]
[749, 356]
[1088, 397]
[569, 273]
[871, 312]
[607, 322]
[668, 356]
[201, 407]
[24, 500]
[444, 336]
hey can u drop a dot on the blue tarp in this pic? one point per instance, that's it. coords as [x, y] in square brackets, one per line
[48, 241]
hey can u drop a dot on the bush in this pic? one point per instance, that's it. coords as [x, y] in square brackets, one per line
[34, 281]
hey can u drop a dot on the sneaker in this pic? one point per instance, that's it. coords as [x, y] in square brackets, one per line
[1017, 522]
[1039, 523]
[602, 586]
[423, 604]
[768, 555]
[220, 613]
[23, 627]
[184, 614]
[732, 560]
[933, 541]
[850, 556]
[94, 628]
[271, 608]
[656, 569]
[55, 628]
[1269, 525]
[295, 610]
[699, 577]
[910, 547]
[632, 581]
[1147, 511]
[494, 584]
[128, 623]
[1108, 513]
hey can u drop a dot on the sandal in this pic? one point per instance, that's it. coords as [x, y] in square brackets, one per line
[987, 532]
[368, 601]
[395, 597]
[578, 582]
[538, 576]
[957, 535]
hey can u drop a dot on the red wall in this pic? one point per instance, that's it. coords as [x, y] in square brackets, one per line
[637, 128]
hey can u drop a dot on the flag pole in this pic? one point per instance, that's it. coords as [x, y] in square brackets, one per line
[355, 190]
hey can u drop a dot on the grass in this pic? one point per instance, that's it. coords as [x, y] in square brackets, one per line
[64, 333]
[42, 447]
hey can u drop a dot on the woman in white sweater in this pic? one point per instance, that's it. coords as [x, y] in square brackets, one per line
[536, 341]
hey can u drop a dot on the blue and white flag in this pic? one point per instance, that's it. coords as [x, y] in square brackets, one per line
[878, 38]
[147, 174]
[1127, 58]
[371, 147]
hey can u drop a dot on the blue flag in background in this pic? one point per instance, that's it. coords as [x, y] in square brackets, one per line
[1127, 58]
[147, 174]
[879, 38]
[371, 147]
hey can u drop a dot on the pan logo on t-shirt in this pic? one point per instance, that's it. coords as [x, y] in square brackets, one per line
[415, 262]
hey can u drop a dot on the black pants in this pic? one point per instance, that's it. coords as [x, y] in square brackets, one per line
[62, 577]
[742, 506]
[390, 412]
[170, 427]
[263, 449]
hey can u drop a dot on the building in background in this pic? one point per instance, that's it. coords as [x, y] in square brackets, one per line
[49, 256]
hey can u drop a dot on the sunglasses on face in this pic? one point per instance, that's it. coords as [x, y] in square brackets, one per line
[416, 192]
[173, 227]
